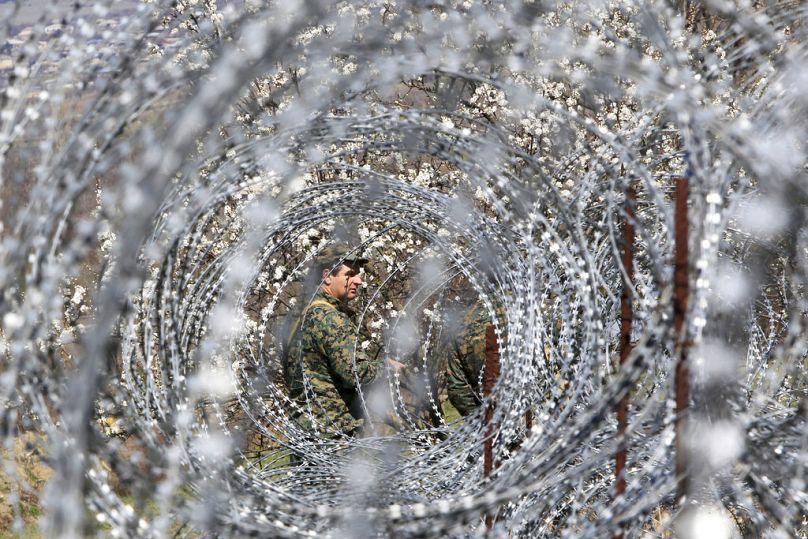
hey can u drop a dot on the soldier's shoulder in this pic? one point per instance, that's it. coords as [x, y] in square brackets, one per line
[314, 315]
[328, 316]
[477, 316]
[321, 308]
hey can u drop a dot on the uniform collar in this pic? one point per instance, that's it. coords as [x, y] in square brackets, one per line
[341, 305]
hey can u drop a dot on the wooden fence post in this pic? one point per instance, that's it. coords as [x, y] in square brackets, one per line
[489, 379]
[680, 298]
[626, 319]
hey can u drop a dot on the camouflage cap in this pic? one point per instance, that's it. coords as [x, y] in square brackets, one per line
[334, 255]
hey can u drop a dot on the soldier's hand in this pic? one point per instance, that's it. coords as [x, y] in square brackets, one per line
[396, 366]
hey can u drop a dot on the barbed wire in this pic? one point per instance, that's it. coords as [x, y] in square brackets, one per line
[168, 181]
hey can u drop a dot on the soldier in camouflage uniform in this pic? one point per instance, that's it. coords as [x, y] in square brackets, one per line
[467, 359]
[323, 364]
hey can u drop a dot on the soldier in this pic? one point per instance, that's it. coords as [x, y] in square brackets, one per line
[466, 360]
[323, 364]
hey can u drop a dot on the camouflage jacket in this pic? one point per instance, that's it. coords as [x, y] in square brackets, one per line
[466, 361]
[323, 367]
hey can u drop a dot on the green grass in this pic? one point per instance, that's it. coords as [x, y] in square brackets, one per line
[30, 530]
[31, 476]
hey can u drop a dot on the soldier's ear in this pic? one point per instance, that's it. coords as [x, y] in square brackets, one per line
[326, 276]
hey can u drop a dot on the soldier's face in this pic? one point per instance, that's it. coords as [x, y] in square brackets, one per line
[345, 283]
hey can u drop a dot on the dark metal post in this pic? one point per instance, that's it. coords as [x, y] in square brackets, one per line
[680, 298]
[489, 379]
[626, 318]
